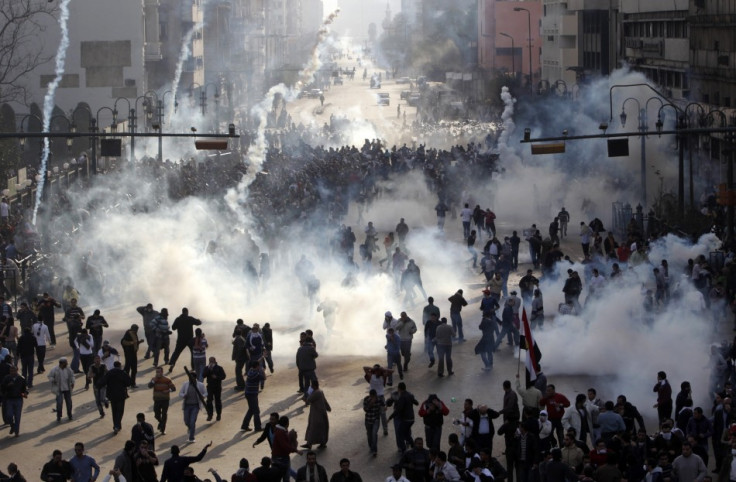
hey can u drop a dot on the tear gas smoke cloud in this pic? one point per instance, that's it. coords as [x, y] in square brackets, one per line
[48, 101]
[612, 340]
[147, 251]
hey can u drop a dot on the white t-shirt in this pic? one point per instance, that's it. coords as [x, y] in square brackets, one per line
[466, 214]
[41, 332]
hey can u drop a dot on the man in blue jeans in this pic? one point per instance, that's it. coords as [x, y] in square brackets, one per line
[253, 379]
[13, 388]
[457, 301]
[193, 392]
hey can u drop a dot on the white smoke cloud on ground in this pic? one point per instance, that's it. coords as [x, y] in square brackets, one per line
[611, 338]
[48, 100]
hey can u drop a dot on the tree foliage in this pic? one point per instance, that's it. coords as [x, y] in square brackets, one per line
[21, 50]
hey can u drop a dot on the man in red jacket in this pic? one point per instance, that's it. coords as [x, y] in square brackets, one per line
[284, 444]
[555, 404]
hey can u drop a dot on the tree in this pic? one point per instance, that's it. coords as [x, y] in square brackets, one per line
[21, 52]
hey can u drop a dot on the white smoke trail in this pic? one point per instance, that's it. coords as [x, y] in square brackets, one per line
[183, 56]
[257, 151]
[48, 101]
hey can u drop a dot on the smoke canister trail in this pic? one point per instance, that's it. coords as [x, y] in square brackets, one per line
[48, 101]
[183, 56]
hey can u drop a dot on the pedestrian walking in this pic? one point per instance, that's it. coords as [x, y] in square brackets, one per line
[130, 343]
[162, 389]
[184, 327]
[62, 384]
[443, 338]
[374, 407]
[253, 380]
[41, 332]
[192, 393]
[14, 391]
[96, 377]
[318, 425]
[214, 374]
[117, 382]
[457, 301]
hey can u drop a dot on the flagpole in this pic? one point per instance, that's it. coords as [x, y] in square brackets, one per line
[518, 364]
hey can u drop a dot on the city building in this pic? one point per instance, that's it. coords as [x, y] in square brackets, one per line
[655, 42]
[504, 33]
[579, 40]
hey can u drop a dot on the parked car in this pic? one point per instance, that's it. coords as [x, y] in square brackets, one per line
[375, 83]
[405, 94]
[403, 80]
[413, 99]
[383, 98]
[338, 81]
[314, 94]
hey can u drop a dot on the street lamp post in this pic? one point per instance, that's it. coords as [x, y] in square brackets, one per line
[113, 128]
[680, 126]
[529, 19]
[643, 129]
[202, 96]
[729, 171]
[131, 124]
[701, 122]
[513, 52]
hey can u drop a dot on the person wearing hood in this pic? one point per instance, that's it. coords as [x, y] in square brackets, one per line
[433, 411]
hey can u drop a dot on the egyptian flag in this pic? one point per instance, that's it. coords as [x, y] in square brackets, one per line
[534, 355]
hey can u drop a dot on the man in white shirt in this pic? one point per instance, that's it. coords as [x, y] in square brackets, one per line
[396, 477]
[41, 332]
[466, 215]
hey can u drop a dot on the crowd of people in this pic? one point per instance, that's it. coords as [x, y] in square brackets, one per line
[538, 433]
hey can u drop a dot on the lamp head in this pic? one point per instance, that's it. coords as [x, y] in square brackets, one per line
[623, 117]
[603, 126]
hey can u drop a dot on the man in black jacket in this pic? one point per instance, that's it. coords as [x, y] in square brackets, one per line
[57, 469]
[13, 389]
[26, 354]
[184, 327]
[403, 416]
[175, 465]
[239, 356]
[117, 383]
[214, 374]
[267, 433]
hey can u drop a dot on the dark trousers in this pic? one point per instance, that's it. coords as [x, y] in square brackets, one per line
[131, 362]
[50, 325]
[150, 341]
[86, 363]
[160, 343]
[510, 465]
[118, 409]
[444, 353]
[559, 431]
[41, 356]
[406, 352]
[402, 429]
[214, 394]
[664, 411]
[305, 379]
[13, 408]
[433, 436]
[253, 412]
[161, 413]
[457, 324]
[239, 380]
[61, 398]
[26, 364]
[180, 345]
